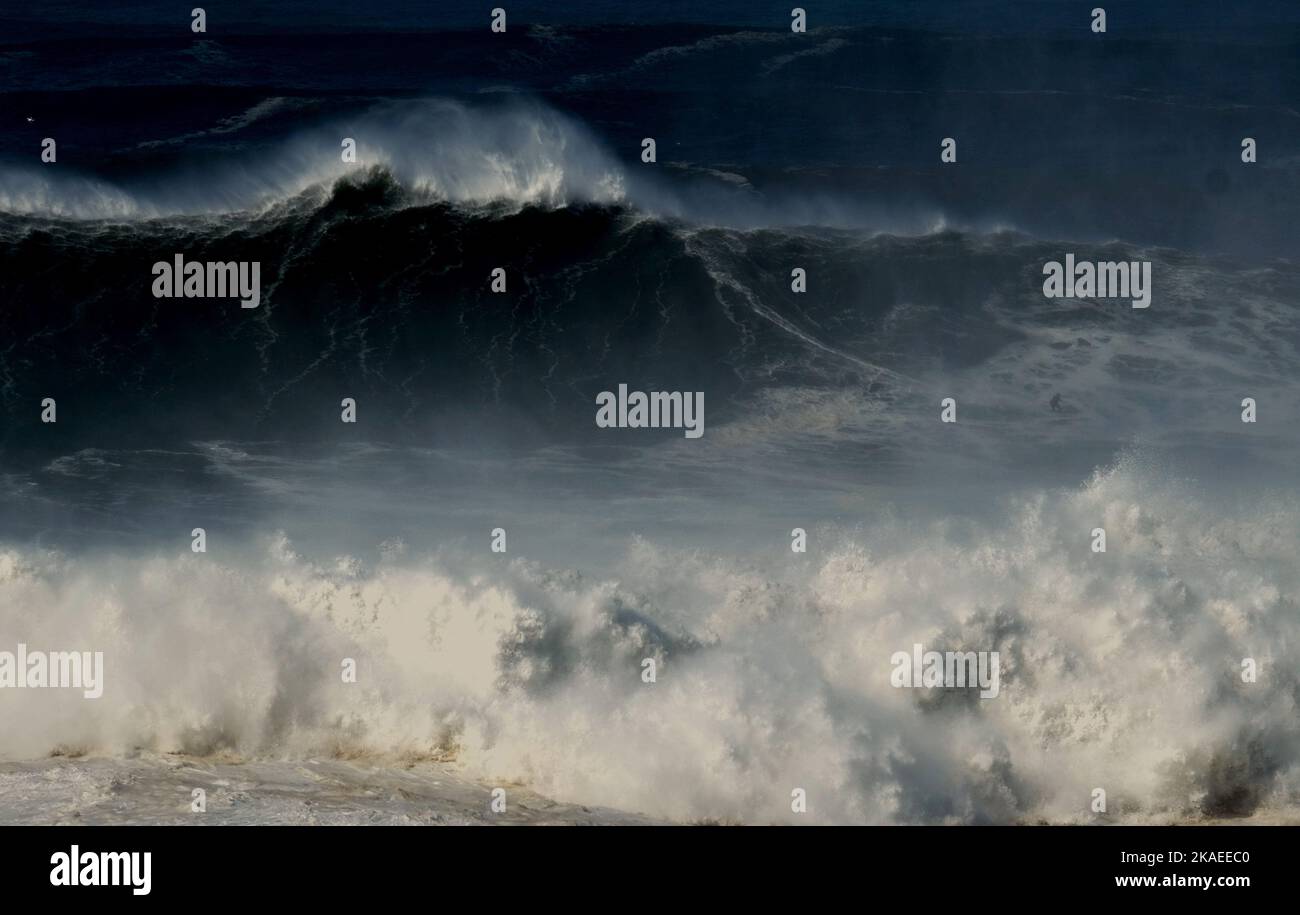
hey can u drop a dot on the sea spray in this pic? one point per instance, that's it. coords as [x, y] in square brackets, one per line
[1119, 669]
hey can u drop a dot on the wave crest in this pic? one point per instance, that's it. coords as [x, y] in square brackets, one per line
[518, 153]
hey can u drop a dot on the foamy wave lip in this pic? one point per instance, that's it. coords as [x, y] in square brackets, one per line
[513, 151]
[29, 192]
[519, 153]
[1120, 670]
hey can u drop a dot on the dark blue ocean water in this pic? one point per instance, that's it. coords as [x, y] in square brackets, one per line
[988, 16]
[774, 149]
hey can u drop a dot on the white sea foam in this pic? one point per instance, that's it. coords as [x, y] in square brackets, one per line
[1118, 671]
[512, 152]
[517, 152]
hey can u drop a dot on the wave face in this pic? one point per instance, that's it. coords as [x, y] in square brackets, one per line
[1119, 670]
[372, 289]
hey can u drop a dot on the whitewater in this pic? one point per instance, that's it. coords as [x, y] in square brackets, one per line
[1119, 670]
[504, 153]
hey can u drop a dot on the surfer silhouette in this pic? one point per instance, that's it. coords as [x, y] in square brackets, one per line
[1055, 403]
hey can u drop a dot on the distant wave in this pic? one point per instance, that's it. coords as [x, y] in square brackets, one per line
[517, 153]
[1119, 670]
[508, 151]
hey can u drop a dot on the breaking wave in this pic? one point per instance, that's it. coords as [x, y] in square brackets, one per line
[511, 152]
[518, 153]
[1120, 670]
